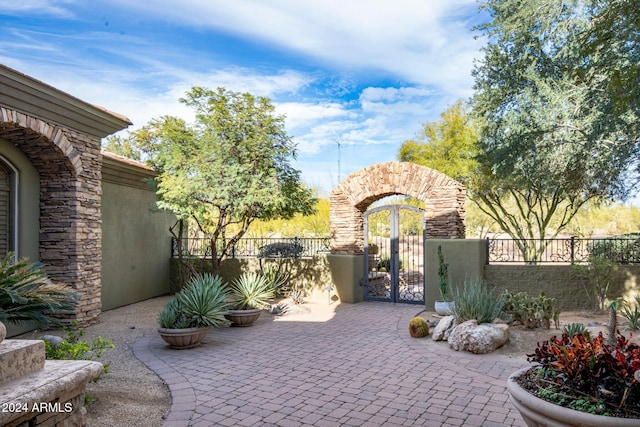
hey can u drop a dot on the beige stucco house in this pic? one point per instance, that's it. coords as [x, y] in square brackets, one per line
[88, 216]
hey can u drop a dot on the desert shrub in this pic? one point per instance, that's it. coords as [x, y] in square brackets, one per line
[596, 277]
[532, 312]
[385, 264]
[574, 328]
[474, 300]
[632, 316]
[623, 249]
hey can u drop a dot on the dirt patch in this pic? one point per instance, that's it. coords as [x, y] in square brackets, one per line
[523, 341]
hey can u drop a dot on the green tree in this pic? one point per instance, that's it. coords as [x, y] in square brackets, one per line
[122, 146]
[544, 149]
[448, 145]
[229, 168]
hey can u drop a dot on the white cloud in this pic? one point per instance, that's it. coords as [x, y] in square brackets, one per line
[38, 7]
[361, 34]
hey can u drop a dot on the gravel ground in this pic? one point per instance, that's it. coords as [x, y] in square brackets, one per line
[129, 394]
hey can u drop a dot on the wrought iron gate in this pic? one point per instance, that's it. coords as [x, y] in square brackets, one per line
[393, 248]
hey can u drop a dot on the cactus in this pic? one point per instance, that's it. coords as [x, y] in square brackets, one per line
[418, 327]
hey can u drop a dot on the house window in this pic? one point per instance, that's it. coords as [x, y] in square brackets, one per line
[7, 208]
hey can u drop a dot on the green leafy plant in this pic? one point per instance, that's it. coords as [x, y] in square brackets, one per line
[532, 312]
[201, 303]
[588, 370]
[279, 280]
[633, 317]
[27, 294]
[73, 348]
[385, 264]
[474, 300]
[574, 329]
[250, 291]
[297, 296]
[443, 275]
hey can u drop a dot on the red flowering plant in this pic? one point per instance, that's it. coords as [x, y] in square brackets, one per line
[587, 374]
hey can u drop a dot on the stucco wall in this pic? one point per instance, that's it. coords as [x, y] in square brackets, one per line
[560, 282]
[136, 244]
[466, 259]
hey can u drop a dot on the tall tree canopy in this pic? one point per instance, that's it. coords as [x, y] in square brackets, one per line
[448, 145]
[557, 126]
[229, 168]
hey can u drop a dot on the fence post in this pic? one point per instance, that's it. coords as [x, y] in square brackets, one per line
[573, 242]
[486, 262]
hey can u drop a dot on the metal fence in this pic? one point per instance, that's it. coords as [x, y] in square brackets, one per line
[572, 250]
[295, 247]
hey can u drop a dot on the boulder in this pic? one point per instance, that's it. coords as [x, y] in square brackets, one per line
[478, 339]
[443, 328]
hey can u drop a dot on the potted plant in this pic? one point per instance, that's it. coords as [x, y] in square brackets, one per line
[579, 381]
[188, 317]
[249, 294]
[443, 307]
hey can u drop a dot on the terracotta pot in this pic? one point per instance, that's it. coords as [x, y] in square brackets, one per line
[444, 308]
[183, 338]
[243, 317]
[537, 412]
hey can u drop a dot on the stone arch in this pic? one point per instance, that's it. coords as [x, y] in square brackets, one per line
[443, 200]
[32, 134]
[69, 220]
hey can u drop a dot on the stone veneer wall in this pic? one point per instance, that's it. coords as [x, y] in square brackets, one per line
[69, 164]
[443, 200]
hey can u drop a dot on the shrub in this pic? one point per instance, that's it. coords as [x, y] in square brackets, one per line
[418, 327]
[474, 300]
[73, 348]
[596, 277]
[532, 312]
[574, 329]
[580, 368]
[633, 317]
[202, 302]
[251, 290]
[623, 249]
[26, 293]
[385, 264]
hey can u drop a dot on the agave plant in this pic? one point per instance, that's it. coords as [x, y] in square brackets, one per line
[251, 290]
[202, 302]
[27, 294]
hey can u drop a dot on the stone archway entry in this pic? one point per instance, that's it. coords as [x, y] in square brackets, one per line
[443, 199]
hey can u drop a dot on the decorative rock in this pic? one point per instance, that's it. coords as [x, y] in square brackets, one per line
[54, 340]
[478, 339]
[3, 332]
[443, 328]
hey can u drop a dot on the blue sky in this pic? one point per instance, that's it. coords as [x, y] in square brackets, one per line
[364, 74]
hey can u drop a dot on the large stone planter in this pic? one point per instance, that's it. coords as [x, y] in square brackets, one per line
[537, 412]
[183, 338]
[243, 317]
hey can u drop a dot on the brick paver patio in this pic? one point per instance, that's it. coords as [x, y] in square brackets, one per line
[358, 367]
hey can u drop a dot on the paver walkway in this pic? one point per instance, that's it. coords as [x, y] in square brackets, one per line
[356, 367]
